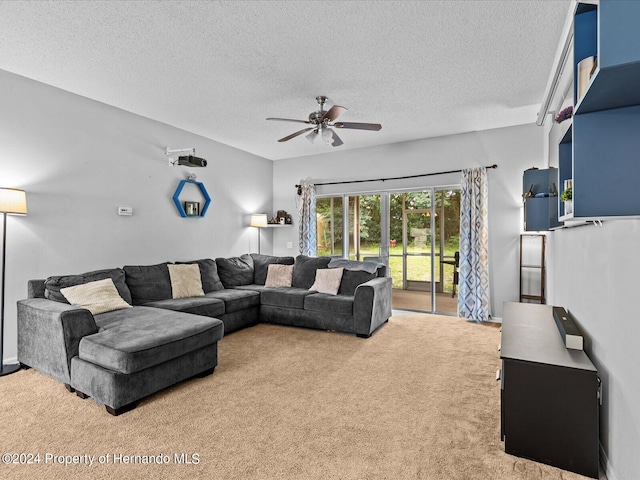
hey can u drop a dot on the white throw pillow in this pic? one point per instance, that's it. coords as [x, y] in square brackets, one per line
[328, 280]
[97, 297]
[185, 280]
[279, 275]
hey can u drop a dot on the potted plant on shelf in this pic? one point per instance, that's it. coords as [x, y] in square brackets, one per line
[567, 198]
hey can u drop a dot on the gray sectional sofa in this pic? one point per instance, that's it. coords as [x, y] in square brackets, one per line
[121, 356]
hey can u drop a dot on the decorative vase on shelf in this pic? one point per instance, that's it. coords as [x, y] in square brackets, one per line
[586, 67]
[568, 207]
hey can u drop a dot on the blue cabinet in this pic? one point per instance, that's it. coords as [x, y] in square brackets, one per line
[565, 166]
[540, 213]
[611, 32]
[599, 152]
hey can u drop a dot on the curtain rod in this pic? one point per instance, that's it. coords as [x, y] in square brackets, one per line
[391, 178]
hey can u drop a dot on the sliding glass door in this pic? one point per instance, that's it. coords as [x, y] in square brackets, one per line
[415, 233]
[329, 226]
[365, 228]
[447, 249]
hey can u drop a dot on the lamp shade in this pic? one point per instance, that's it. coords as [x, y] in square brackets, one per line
[13, 201]
[259, 220]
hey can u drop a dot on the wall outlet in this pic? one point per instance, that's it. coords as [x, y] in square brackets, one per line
[126, 211]
[289, 244]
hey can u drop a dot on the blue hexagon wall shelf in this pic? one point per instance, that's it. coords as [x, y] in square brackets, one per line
[176, 198]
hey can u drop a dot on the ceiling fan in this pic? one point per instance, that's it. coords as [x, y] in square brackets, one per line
[321, 122]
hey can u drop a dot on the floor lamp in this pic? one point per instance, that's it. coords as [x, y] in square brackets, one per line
[259, 220]
[12, 201]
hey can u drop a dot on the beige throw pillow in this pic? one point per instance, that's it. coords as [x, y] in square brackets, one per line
[185, 280]
[328, 280]
[279, 276]
[97, 297]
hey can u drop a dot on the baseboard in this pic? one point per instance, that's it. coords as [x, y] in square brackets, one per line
[11, 361]
[606, 465]
[495, 320]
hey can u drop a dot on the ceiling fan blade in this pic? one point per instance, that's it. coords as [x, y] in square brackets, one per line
[333, 113]
[337, 141]
[288, 120]
[293, 135]
[358, 126]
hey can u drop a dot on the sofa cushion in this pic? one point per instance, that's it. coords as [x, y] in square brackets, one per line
[261, 265]
[235, 271]
[116, 317]
[185, 280]
[327, 280]
[253, 287]
[97, 297]
[284, 297]
[321, 302]
[148, 283]
[351, 279]
[304, 270]
[279, 276]
[208, 274]
[52, 285]
[153, 336]
[209, 307]
[235, 299]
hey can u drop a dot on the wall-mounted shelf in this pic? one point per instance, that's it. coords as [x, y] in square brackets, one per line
[599, 151]
[540, 213]
[610, 32]
[178, 203]
[277, 225]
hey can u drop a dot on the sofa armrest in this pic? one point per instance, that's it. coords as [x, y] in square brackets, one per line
[372, 305]
[35, 289]
[49, 334]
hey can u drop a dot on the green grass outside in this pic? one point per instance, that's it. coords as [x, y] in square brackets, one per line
[418, 267]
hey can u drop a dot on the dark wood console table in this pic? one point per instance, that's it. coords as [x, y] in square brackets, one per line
[549, 394]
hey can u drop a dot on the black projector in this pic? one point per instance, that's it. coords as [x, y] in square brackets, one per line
[192, 161]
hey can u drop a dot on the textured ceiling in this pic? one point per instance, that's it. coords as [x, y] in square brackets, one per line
[420, 68]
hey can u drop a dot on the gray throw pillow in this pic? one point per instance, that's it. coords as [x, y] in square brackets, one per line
[351, 279]
[148, 283]
[235, 271]
[261, 266]
[52, 285]
[304, 270]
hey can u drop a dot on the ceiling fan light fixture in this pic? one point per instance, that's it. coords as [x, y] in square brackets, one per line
[327, 135]
[312, 136]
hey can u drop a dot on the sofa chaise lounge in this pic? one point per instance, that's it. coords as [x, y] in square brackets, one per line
[120, 356]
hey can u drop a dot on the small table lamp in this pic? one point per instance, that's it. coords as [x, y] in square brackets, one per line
[259, 220]
[12, 201]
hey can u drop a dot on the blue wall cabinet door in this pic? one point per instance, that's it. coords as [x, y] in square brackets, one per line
[178, 203]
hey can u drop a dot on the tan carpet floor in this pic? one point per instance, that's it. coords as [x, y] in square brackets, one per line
[418, 400]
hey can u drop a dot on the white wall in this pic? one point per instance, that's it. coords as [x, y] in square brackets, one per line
[78, 160]
[595, 272]
[514, 149]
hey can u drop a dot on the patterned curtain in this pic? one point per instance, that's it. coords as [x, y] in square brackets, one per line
[473, 296]
[307, 211]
